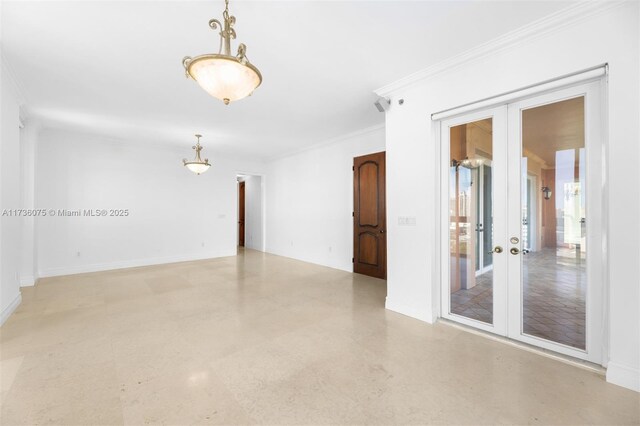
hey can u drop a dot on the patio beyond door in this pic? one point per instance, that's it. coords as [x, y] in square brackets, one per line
[521, 218]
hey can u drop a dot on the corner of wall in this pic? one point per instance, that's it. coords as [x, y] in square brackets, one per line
[27, 281]
[623, 375]
[425, 315]
[6, 313]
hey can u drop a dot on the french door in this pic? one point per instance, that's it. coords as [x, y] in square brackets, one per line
[521, 209]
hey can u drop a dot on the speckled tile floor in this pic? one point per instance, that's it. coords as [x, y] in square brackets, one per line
[262, 339]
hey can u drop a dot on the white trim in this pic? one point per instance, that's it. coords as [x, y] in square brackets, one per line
[549, 24]
[97, 267]
[6, 313]
[327, 142]
[439, 214]
[592, 73]
[410, 311]
[623, 375]
[585, 365]
[332, 265]
[27, 281]
[596, 227]
[499, 172]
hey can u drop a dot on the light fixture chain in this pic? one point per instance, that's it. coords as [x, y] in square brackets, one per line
[225, 14]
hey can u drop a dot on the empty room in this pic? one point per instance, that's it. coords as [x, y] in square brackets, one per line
[319, 212]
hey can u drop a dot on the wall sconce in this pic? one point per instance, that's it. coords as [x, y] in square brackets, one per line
[468, 163]
[546, 191]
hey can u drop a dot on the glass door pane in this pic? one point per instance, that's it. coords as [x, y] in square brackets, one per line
[554, 283]
[471, 220]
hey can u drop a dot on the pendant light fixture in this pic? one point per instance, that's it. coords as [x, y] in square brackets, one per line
[222, 75]
[197, 166]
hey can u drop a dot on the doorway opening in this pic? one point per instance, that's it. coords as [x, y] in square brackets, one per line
[519, 183]
[250, 227]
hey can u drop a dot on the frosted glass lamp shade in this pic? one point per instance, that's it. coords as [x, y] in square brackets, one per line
[224, 77]
[196, 165]
[197, 168]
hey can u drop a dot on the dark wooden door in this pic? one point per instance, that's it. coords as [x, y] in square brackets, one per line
[369, 216]
[241, 214]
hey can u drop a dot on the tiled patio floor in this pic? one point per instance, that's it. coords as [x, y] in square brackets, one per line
[554, 297]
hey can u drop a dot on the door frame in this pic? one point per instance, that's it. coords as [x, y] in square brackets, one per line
[263, 207]
[532, 181]
[381, 227]
[481, 251]
[594, 206]
[597, 309]
[242, 213]
[499, 157]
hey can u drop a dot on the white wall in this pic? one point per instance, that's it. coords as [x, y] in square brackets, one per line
[174, 215]
[28, 260]
[310, 200]
[568, 45]
[253, 213]
[10, 226]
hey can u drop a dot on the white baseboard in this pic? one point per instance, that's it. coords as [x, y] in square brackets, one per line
[410, 311]
[27, 281]
[623, 375]
[97, 267]
[253, 247]
[333, 265]
[6, 312]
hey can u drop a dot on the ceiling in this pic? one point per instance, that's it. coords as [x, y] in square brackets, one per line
[551, 128]
[114, 67]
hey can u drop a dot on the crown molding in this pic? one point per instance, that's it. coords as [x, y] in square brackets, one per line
[328, 142]
[549, 24]
[16, 86]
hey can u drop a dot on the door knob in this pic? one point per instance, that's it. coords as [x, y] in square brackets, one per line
[514, 250]
[497, 249]
[382, 231]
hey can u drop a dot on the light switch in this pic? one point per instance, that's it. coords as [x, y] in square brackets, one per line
[406, 220]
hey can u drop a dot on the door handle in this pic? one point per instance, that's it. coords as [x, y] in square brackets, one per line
[382, 231]
[514, 250]
[496, 249]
